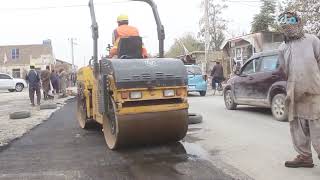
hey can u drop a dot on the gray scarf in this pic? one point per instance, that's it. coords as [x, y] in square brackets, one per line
[292, 32]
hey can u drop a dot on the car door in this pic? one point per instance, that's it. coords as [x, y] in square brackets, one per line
[268, 74]
[6, 82]
[245, 81]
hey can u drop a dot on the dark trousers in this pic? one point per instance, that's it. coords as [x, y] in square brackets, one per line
[216, 80]
[32, 90]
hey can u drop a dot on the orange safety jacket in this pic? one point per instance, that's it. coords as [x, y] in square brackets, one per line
[124, 31]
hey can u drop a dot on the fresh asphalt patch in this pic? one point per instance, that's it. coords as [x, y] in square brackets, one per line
[59, 149]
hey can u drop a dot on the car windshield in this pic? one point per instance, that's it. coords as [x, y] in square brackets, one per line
[194, 70]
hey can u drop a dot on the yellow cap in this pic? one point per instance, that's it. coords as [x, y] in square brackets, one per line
[32, 64]
[122, 17]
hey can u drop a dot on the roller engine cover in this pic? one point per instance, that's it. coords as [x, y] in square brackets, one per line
[142, 73]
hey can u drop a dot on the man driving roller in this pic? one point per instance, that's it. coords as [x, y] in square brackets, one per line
[124, 30]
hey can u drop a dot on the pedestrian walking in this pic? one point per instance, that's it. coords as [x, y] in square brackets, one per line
[63, 82]
[33, 79]
[73, 79]
[217, 75]
[54, 80]
[300, 60]
[58, 83]
[45, 79]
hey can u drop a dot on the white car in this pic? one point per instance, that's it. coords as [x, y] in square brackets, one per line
[7, 82]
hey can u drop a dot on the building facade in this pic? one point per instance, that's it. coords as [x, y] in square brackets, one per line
[16, 59]
[60, 64]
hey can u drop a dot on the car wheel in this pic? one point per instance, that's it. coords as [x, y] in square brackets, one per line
[203, 93]
[229, 101]
[19, 87]
[11, 90]
[278, 107]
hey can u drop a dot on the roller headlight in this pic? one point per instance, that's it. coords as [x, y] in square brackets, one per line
[136, 95]
[169, 93]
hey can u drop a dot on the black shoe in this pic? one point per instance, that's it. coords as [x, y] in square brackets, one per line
[33, 105]
[300, 161]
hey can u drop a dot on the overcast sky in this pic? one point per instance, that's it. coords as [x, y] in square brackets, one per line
[28, 22]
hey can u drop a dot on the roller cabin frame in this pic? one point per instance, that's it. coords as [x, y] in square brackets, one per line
[95, 31]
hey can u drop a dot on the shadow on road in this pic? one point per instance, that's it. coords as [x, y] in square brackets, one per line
[266, 111]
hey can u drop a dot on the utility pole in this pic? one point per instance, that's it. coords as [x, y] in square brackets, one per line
[207, 36]
[72, 43]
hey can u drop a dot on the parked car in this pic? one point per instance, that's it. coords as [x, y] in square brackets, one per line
[196, 81]
[7, 82]
[259, 82]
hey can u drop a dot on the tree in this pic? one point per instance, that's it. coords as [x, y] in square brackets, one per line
[189, 41]
[217, 25]
[310, 13]
[265, 20]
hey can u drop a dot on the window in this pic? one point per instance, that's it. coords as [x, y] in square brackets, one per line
[238, 54]
[257, 64]
[194, 70]
[15, 53]
[249, 68]
[16, 73]
[269, 63]
[252, 67]
[4, 76]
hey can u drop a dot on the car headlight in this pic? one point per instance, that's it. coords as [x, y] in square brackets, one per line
[136, 95]
[168, 93]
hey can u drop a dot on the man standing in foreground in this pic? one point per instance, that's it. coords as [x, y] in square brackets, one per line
[33, 79]
[300, 59]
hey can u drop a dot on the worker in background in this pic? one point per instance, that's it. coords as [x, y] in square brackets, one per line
[33, 79]
[299, 57]
[63, 75]
[124, 30]
[217, 75]
[45, 79]
[54, 80]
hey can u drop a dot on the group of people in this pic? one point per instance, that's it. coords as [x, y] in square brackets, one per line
[51, 82]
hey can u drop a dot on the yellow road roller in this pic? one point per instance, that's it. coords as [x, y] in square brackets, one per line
[138, 101]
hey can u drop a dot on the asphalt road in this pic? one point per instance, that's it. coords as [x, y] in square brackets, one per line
[59, 149]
